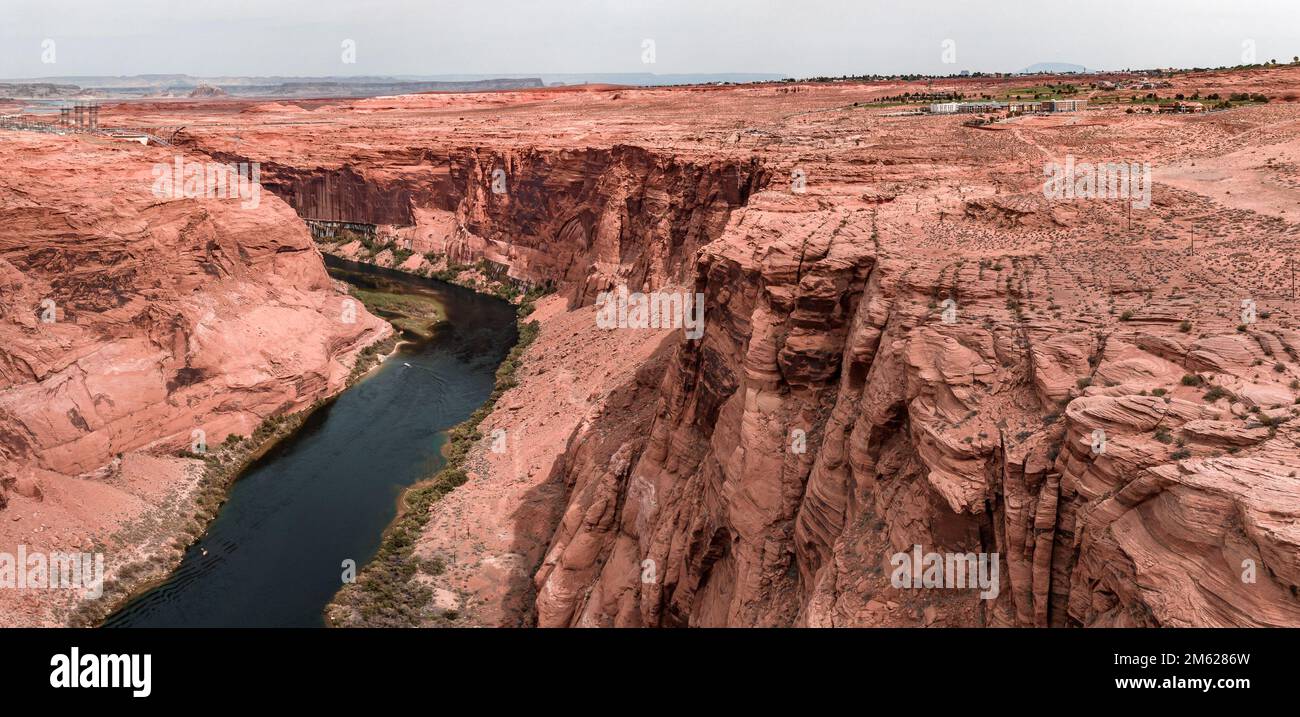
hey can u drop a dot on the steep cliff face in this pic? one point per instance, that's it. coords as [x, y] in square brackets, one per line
[584, 219]
[832, 416]
[708, 497]
[343, 195]
[591, 219]
[134, 323]
[131, 318]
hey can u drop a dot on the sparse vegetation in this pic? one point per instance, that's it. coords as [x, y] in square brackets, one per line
[385, 594]
[1215, 393]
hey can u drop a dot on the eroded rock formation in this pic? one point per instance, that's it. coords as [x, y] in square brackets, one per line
[584, 219]
[136, 326]
[949, 436]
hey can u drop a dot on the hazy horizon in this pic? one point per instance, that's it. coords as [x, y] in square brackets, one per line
[298, 38]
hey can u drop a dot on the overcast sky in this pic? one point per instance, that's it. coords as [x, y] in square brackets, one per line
[792, 37]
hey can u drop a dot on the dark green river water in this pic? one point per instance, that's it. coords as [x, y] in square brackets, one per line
[273, 555]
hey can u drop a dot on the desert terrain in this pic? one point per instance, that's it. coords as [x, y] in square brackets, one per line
[906, 342]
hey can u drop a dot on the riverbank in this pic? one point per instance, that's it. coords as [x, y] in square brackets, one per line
[183, 524]
[387, 592]
[184, 517]
[414, 314]
[482, 276]
[325, 494]
[495, 531]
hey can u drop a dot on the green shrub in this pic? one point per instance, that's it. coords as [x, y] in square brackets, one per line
[1215, 393]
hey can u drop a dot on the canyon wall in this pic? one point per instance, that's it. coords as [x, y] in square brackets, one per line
[584, 219]
[972, 436]
[831, 417]
[591, 219]
[136, 326]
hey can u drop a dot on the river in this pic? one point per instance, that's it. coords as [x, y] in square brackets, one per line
[273, 556]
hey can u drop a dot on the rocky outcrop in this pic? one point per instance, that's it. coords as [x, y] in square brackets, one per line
[134, 323]
[206, 90]
[589, 220]
[832, 416]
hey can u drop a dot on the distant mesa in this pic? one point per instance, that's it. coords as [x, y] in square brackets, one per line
[37, 89]
[150, 86]
[1053, 68]
[205, 90]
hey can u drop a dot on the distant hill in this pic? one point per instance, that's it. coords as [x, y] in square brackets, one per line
[37, 89]
[207, 91]
[146, 86]
[1054, 68]
[172, 85]
[645, 79]
[358, 88]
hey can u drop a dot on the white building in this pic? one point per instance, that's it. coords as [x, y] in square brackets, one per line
[943, 108]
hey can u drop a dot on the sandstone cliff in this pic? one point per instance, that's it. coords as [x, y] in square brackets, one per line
[135, 326]
[583, 219]
[974, 436]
